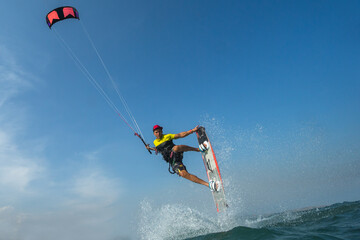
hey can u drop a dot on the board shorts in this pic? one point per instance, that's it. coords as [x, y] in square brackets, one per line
[177, 164]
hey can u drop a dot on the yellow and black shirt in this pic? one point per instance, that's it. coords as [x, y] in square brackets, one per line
[164, 145]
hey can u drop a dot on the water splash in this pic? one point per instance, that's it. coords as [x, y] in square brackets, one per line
[224, 147]
[172, 222]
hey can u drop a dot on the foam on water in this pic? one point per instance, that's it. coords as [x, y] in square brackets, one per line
[173, 221]
[178, 221]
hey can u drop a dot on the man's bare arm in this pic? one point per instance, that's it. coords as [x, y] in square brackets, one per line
[187, 133]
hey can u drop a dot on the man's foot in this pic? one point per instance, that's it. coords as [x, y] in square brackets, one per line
[214, 186]
[204, 146]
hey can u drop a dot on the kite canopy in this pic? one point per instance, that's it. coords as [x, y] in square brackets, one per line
[60, 14]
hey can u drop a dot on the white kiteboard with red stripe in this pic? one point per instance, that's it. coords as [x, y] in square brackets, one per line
[212, 169]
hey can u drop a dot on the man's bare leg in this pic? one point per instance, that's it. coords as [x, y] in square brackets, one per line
[184, 148]
[193, 178]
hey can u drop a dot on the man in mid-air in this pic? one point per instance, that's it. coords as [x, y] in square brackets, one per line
[173, 154]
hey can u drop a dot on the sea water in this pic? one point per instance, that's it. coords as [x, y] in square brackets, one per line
[172, 222]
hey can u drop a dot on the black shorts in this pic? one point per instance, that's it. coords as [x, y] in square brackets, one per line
[177, 164]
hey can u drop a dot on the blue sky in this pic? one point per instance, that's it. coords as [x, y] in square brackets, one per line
[275, 83]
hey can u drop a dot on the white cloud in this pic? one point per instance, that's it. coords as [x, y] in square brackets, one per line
[8, 223]
[84, 206]
[93, 188]
[89, 209]
[13, 79]
[16, 169]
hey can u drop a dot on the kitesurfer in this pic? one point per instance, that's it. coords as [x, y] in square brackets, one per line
[173, 154]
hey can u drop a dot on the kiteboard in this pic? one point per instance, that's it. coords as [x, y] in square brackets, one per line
[212, 169]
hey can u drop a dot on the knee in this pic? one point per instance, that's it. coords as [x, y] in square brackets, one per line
[176, 148]
[184, 174]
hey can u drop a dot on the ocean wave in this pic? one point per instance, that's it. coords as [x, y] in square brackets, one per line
[175, 222]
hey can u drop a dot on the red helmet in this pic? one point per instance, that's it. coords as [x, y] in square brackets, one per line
[157, 127]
